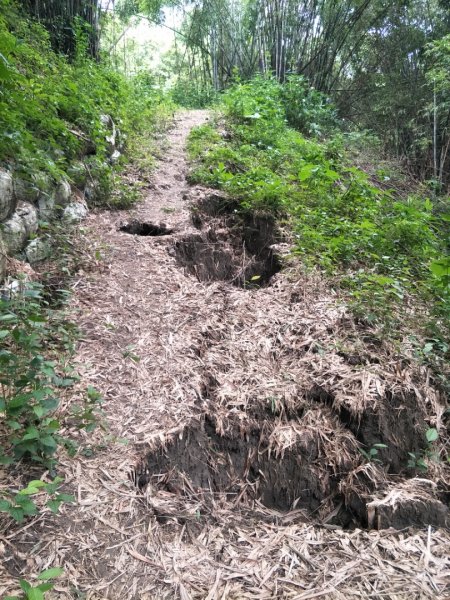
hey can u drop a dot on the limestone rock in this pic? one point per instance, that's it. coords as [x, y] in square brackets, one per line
[7, 199]
[14, 233]
[37, 250]
[105, 120]
[75, 212]
[29, 216]
[25, 190]
[19, 227]
[13, 287]
[91, 190]
[115, 157]
[46, 205]
[62, 193]
[109, 124]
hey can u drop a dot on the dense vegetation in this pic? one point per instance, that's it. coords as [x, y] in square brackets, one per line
[51, 104]
[384, 64]
[384, 246]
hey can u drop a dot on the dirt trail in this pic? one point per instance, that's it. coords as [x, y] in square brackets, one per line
[256, 406]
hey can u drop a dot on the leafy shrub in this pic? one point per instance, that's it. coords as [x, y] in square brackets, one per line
[307, 110]
[28, 380]
[383, 247]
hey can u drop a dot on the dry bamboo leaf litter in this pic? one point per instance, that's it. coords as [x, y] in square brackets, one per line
[173, 355]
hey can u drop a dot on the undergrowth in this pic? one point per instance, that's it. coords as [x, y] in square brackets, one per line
[51, 110]
[387, 252]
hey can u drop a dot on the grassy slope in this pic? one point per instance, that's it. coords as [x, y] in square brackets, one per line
[50, 108]
[385, 251]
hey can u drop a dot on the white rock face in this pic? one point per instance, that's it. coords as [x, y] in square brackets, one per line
[75, 212]
[29, 216]
[91, 190]
[109, 124]
[14, 234]
[105, 120]
[17, 229]
[46, 206]
[7, 199]
[37, 250]
[62, 193]
[115, 157]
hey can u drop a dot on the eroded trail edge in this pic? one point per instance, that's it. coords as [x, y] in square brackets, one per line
[237, 395]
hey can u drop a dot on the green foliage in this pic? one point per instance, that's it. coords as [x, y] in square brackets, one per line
[202, 139]
[256, 111]
[50, 109]
[37, 592]
[149, 113]
[88, 415]
[371, 455]
[46, 101]
[418, 460]
[307, 110]
[30, 332]
[190, 94]
[20, 505]
[29, 382]
[385, 248]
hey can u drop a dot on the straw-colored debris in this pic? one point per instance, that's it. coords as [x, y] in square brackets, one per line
[213, 383]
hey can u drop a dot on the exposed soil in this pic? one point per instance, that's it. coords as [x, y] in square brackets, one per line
[238, 393]
[136, 227]
[242, 468]
[236, 250]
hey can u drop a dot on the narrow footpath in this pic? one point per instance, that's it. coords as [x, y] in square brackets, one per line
[226, 450]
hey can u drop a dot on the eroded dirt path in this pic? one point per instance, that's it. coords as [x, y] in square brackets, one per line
[254, 398]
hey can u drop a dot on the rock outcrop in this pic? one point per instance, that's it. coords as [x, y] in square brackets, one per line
[25, 201]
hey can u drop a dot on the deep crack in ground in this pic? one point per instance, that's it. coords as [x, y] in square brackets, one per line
[244, 417]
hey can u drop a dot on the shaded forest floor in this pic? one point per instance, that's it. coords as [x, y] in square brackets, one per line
[236, 396]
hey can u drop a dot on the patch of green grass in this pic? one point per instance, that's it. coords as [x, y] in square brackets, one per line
[383, 249]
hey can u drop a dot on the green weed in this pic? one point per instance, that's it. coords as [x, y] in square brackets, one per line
[37, 591]
[28, 379]
[21, 505]
[381, 249]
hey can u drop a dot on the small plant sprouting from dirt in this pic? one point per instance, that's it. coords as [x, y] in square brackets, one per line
[36, 591]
